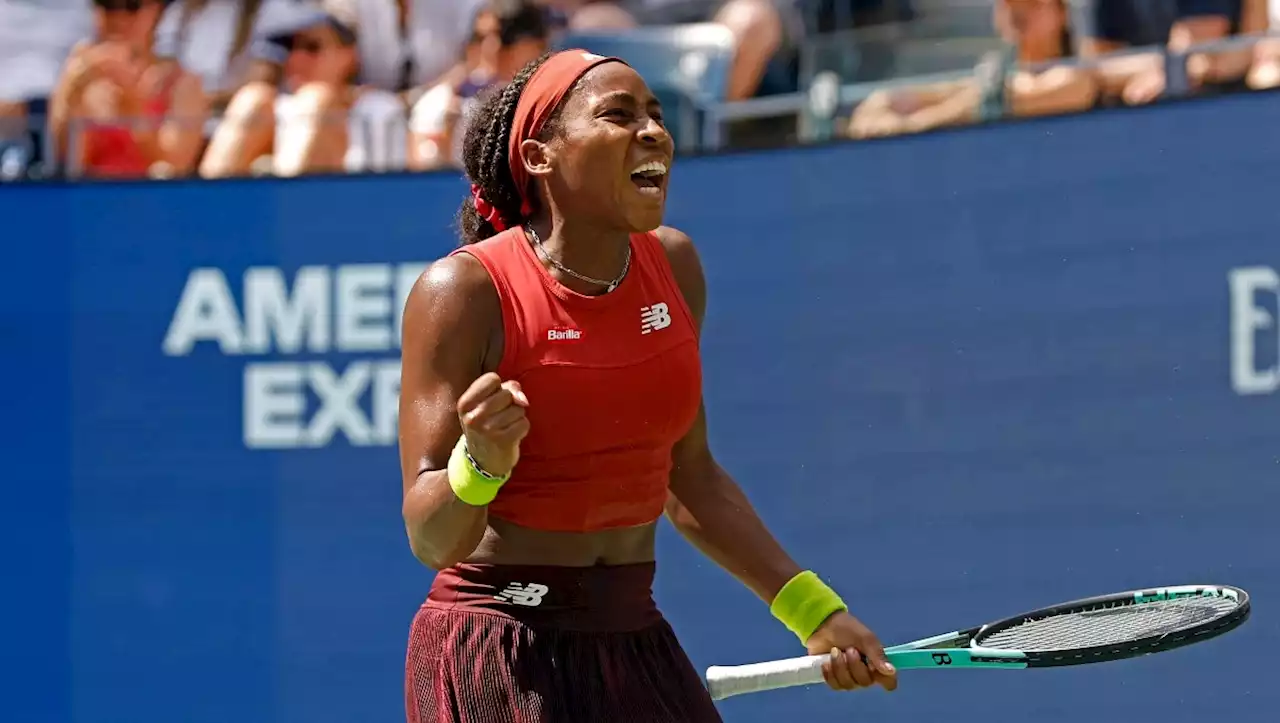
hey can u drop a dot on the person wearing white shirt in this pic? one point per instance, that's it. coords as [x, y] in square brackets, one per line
[507, 35]
[321, 120]
[406, 44]
[213, 39]
[35, 39]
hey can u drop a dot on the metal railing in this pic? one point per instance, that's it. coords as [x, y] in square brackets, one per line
[826, 96]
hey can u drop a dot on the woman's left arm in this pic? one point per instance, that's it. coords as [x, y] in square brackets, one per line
[711, 511]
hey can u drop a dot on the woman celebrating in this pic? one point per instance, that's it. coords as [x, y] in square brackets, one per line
[551, 410]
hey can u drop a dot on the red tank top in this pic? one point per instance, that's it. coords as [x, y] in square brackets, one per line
[111, 150]
[613, 382]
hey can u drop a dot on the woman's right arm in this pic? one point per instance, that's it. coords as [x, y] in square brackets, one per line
[449, 319]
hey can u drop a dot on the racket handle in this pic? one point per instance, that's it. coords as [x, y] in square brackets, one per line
[724, 681]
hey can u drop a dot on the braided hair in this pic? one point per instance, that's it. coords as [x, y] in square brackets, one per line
[486, 157]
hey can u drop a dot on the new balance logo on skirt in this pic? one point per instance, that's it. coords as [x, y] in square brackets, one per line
[563, 334]
[529, 595]
[653, 318]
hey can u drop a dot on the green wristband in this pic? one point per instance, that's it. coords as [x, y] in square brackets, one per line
[469, 483]
[805, 603]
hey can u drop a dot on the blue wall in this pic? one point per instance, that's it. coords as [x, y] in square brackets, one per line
[962, 375]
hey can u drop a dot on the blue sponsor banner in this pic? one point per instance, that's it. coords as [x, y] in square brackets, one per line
[961, 375]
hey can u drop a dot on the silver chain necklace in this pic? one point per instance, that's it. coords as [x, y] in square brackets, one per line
[609, 285]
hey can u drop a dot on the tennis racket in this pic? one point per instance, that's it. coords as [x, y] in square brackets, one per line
[1092, 630]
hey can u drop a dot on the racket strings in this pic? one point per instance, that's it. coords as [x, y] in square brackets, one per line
[1108, 626]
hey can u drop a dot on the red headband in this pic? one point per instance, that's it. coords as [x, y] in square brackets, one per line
[550, 83]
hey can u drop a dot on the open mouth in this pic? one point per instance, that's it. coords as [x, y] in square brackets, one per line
[650, 178]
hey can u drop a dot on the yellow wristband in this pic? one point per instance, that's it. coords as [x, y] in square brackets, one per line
[468, 482]
[804, 603]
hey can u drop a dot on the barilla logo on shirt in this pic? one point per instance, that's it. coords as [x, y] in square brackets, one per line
[563, 334]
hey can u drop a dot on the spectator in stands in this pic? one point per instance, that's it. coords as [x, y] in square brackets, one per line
[322, 122]
[407, 46]
[1264, 71]
[119, 111]
[507, 35]
[1030, 84]
[1176, 24]
[212, 38]
[35, 38]
[760, 27]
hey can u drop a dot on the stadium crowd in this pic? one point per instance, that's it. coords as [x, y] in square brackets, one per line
[1115, 52]
[220, 88]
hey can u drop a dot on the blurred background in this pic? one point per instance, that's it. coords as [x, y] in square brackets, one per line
[993, 325]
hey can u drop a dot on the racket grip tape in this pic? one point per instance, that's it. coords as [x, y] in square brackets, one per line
[724, 681]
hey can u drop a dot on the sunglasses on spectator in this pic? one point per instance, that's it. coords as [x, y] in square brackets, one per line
[508, 38]
[310, 46]
[129, 6]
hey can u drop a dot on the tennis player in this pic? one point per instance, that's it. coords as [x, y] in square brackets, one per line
[551, 411]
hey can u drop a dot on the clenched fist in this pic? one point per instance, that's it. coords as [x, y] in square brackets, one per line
[494, 422]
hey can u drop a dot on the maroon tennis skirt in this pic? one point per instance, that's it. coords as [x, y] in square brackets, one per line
[540, 644]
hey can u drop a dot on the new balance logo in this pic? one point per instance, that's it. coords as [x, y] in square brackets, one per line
[563, 334]
[529, 595]
[653, 318]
